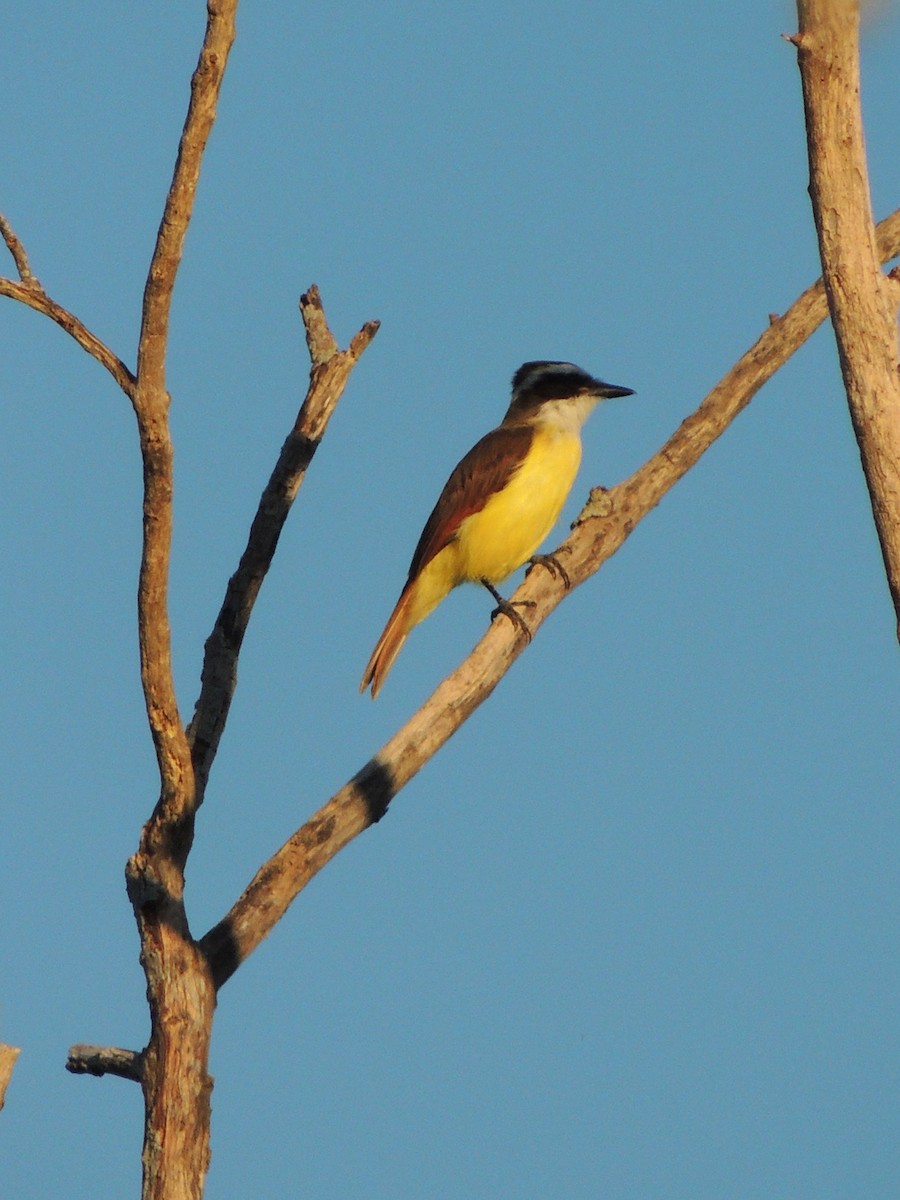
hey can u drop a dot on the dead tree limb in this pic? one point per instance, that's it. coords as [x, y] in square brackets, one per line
[329, 370]
[603, 526]
[175, 1078]
[862, 301]
[28, 290]
[105, 1060]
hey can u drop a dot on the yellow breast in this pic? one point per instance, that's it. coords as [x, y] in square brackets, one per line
[496, 541]
[493, 543]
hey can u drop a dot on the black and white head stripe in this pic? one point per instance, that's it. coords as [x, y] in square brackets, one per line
[537, 382]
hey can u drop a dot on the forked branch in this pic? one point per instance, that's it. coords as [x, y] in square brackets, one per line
[174, 1073]
[28, 291]
[330, 368]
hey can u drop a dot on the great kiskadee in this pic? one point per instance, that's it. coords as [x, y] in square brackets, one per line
[501, 500]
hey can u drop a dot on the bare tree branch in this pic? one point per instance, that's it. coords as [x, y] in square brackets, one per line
[177, 800]
[173, 1069]
[105, 1060]
[862, 302]
[603, 526]
[176, 1083]
[17, 250]
[329, 371]
[8, 1056]
[206, 84]
[29, 292]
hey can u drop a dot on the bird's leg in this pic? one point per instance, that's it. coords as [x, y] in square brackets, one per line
[553, 565]
[508, 608]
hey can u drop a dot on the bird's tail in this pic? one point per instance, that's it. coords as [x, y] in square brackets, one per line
[389, 644]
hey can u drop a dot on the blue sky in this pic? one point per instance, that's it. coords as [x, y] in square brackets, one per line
[633, 932]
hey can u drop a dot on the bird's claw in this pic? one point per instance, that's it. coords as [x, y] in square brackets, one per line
[553, 565]
[508, 609]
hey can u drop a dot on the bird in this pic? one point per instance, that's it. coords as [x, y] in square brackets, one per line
[500, 502]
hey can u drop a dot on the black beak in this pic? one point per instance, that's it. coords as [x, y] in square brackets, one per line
[609, 391]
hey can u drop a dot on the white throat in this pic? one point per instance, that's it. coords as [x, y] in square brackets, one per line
[566, 416]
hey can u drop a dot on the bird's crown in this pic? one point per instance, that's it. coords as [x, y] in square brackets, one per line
[539, 381]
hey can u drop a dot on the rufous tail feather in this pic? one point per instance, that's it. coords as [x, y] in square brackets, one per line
[389, 644]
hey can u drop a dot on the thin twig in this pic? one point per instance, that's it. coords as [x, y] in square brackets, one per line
[30, 293]
[329, 371]
[602, 528]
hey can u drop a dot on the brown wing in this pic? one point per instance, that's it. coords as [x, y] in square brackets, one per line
[486, 469]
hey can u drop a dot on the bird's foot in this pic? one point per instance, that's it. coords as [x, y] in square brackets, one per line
[553, 565]
[508, 609]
